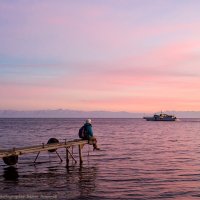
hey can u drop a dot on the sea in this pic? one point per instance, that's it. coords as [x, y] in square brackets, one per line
[138, 160]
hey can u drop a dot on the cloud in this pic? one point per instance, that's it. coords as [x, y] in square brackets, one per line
[99, 54]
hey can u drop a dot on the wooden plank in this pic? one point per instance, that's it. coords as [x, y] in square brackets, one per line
[39, 148]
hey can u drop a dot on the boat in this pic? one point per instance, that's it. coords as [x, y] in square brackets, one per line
[161, 117]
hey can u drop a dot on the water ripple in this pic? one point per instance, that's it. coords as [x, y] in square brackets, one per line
[139, 160]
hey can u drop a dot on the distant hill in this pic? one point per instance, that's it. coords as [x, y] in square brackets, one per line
[61, 113]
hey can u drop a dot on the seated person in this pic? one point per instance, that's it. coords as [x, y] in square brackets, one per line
[89, 134]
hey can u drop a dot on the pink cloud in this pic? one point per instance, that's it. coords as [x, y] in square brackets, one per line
[122, 63]
[131, 96]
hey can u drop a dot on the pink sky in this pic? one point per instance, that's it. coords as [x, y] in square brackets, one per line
[131, 55]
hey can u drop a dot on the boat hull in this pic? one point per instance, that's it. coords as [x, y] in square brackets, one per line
[159, 119]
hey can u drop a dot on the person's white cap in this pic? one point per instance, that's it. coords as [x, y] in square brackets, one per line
[89, 121]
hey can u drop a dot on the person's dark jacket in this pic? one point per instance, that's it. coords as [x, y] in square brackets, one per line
[88, 130]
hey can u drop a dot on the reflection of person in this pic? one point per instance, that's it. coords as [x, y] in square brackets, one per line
[89, 134]
[87, 181]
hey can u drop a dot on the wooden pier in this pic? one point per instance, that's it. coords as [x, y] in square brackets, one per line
[10, 156]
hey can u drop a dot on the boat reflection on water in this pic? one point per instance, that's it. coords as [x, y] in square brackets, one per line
[161, 117]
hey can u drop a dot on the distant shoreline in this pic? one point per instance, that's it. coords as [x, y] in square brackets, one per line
[61, 113]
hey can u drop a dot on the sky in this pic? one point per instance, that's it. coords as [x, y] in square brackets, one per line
[110, 55]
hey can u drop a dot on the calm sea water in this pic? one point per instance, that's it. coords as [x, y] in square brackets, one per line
[138, 160]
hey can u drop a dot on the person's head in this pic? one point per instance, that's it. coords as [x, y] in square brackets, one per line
[88, 121]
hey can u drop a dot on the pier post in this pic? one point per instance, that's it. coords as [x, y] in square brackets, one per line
[80, 155]
[37, 156]
[67, 158]
[59, 156]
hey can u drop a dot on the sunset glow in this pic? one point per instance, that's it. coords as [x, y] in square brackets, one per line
[130, 55]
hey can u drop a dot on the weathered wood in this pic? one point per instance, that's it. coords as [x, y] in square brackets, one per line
[40, 148]
[51, 147]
